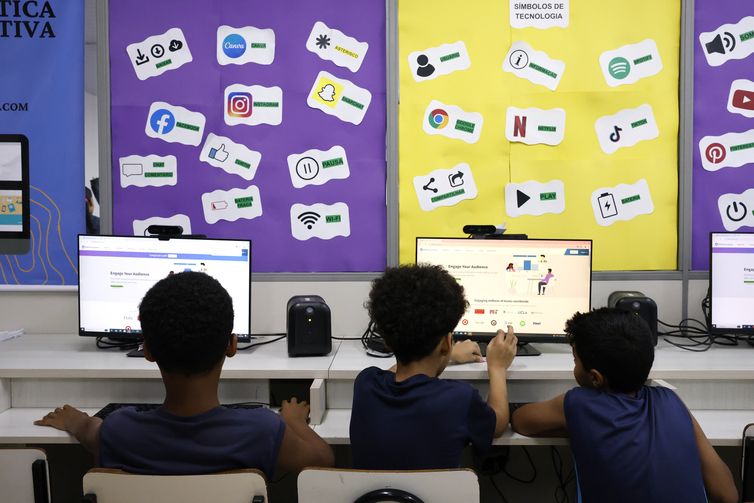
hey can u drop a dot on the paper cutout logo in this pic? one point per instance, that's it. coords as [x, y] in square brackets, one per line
[253, 105]
[159, 53]
[231, 157]
[317, 167]
[741, 98]
[319, 220]
[535, 126]
[542, 15]
[148, 171]
[438, 61]
[183, 221]
[535, 66]
[174, 124]
[452, 122]
[737, 210]
[730, 150]
[728, 42]
[534, 198]
[445, 187]
[333, 45]
[622, 202]
[232, 204]
[626, 128]
[238, 46]
[630, 63]
[339, 97]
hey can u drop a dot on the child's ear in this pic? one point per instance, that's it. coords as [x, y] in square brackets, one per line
[446, 345]
[598, 380]
[232, 346]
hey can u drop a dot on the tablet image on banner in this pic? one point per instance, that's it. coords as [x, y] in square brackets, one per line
[253, 105]
[730, 150]
[317, 167]
[339, 97]
[238, 46]
[626, 128]
[737, 210]
[741, 98]
[334, 45]
[181, 220]
[234, 158]
[159, 53]
[535, 126]
[535, 66]
[534, 198]
[148, 171]
[445, 187]
[232, 204]
[174, 124]
[622, 202]
[542, 15]
[323, 221]
[438, 61]
[453, 122]
[631, 63]
[728, 42]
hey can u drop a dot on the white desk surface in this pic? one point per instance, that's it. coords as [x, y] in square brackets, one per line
[70, 356]
[556, 363]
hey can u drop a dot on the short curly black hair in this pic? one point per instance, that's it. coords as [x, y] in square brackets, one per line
[187, 321]
[616, 343]
[413, 307]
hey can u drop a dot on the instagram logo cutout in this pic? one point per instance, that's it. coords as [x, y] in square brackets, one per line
[239, 105]
[715, 153]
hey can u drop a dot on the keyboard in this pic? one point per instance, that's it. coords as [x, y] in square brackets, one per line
[145, 407]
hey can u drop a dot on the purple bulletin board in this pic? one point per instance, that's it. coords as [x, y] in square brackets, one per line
[713, 117]
[200, 86]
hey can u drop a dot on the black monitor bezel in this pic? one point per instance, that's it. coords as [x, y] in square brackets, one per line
[13, 242]
[522, 337]
[137, 336]
[722, 330]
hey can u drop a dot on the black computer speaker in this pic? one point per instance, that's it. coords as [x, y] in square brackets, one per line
[637, 302]
[308, 326]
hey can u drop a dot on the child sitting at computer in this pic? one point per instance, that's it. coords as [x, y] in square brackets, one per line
[187, 320]
[406, 417]
[630, 442]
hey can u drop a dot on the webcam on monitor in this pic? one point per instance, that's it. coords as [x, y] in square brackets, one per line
[489, 232]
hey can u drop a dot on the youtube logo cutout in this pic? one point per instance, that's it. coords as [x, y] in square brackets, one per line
[741, 98]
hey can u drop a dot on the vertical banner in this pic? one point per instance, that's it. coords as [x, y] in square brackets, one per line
[42, 206]
[258, 120]
[558, 119]
[723, 173]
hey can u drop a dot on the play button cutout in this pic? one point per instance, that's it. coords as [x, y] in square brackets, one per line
[741, 98]
[521, 198]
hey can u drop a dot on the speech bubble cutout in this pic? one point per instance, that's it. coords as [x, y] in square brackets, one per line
[179, 219]
[148, 171]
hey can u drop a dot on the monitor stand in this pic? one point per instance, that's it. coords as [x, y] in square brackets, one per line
[526, 349]
[137, 353]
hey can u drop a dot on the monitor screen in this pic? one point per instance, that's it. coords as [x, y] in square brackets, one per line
[732, 282]
[535, 285]
[116, 271]
[14, 194]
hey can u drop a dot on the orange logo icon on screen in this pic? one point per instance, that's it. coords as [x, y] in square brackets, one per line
[464, 321]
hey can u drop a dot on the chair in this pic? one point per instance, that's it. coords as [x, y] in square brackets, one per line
[316, 485]
[24, 477]
[105, 485]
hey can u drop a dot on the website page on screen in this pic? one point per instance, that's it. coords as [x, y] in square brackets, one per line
[116, 272]
[533, 285]
[732, 281]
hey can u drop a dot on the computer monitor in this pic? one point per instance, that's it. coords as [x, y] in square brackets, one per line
[732, 282]
[14, 194]
[534, 285]
[116, 271]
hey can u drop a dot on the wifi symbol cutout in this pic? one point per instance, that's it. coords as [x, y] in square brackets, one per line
[309, 218]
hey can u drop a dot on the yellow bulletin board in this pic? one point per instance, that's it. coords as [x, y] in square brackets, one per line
[632, 190]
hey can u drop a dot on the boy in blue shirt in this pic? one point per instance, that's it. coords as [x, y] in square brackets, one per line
[187, 320]
[406, 417]
[630, 442]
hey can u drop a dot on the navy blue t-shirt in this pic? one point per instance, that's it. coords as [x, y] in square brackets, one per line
[156, 442]
[633, 449]
[420, 423]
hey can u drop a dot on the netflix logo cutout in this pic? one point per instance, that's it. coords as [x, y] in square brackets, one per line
[534, 126]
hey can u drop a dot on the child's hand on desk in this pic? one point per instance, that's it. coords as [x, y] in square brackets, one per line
[502, 349]
[63, 418]
[293, 411]
[466, 352]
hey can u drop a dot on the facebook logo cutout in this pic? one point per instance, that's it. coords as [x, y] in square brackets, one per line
[162, 121]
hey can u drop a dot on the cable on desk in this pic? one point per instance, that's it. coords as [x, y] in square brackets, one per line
[499, 492]
[561, 490]
[374, 343]
[103, 344]
[346, 338]
[533, 470]
[255, 344]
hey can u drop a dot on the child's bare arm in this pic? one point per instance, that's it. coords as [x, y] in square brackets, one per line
[541, 419]
[79, 424]
[465, 352]
[301, 446]
[500, 353]
[717, 477]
